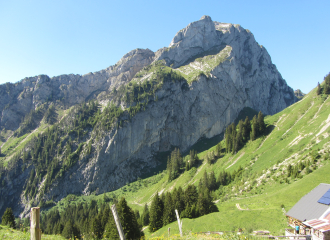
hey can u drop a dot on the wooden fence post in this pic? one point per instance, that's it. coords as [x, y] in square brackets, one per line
[35, 224]
[179, 222]
[169, 230]
[118, 224]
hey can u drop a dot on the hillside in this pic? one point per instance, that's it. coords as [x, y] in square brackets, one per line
[259, 199]
[95, 133]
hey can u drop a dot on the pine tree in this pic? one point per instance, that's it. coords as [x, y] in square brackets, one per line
[205, 181]
[70, 231]
[156, 214]
[169, 214]
[190, 195]
[105, 216]
[326, 89]
[318, 91]
[224, 178]
[254, 131]
[228, 139]
[212, 182]
[169, 169]
[233, 137]
[128, 220]
[178, 199]
[289, 170]
[218, 149]
[261, 124]
[246, 129]
[8, 218]
[145, 216]
[111, 231]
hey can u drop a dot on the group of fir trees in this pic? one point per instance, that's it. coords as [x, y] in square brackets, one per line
[237, 136]
[193, 159]
[175, 163]
[326, 87]
[88, 221]
[190, 203]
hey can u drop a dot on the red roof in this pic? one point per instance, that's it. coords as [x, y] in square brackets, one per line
[327, 217]
[320, 224]
[324, 228]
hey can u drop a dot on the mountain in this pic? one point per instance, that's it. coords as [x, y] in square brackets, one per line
[95, 133]
[299, 94]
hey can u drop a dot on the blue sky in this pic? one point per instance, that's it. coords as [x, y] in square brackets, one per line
[63, 37]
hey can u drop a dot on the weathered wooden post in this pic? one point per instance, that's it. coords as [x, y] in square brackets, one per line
[179, 222]
[35, 224]
[169, 230]
[118, 224]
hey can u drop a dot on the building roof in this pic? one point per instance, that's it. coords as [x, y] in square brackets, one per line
[307, 207]
[322, 225]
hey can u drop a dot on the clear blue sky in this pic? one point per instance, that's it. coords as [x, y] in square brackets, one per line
[66, 36]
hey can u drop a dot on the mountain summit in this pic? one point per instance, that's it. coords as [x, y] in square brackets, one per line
[130, 113]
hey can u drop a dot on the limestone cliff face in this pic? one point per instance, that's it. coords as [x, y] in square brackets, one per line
[249, 67]
[225, 70]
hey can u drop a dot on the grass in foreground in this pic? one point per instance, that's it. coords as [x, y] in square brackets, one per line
[9, 233]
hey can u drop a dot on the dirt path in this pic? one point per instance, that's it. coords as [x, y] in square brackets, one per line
[327, 124]
[317, 113]
[239, 207]
[7, 140]
[235, 160]
[136, 203]
[9, 157]
[270, 133]
[152, 196]
[299, 119]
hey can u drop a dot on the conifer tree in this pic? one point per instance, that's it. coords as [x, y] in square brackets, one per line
[145, 216]
[224, 178]
[228, 139]
[218, 149]
[111, 231]
[233, 137]
[178, 199]
[212, 182]
[205, 182]
[70, 231]
[254, 131]
[326, 89]
[261, 123]
[8, 218]
[105, 216]
[190, 195]
[156, 214]
[169, 169]
[246, 129]
[318, 91]
[128, 220]
[169, 214]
